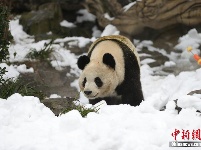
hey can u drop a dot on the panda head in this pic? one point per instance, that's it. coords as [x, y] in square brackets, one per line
[98, 78]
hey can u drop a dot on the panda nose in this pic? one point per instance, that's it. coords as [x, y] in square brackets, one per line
[87, 92]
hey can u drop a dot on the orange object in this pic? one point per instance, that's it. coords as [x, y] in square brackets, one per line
[199, 61]
[197, 58]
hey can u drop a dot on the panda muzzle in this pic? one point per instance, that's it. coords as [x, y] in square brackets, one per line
[88, 94]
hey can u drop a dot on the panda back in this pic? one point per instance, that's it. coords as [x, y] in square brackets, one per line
[118, 39]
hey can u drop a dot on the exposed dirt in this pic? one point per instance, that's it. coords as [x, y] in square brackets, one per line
[49, 80]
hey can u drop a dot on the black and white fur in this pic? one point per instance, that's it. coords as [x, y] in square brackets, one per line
[111, 72]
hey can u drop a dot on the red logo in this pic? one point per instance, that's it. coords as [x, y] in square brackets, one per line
[186, 134]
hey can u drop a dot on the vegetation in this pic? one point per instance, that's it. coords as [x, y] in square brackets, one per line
[4, 31]
[9, 87]
[83, 110]
[43, 54]
[4, 36]
[2, 72]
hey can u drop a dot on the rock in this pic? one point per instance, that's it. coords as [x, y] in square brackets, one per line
[165, 38]
[179, 108]
[79, 31]
[20, 6]
[195, 92]
[124, 2]
[161, 21]
[58, 105]
[46, 19]
[145, 13]
[49, 80]
[74, 47]
[159, 58]
[70, 8]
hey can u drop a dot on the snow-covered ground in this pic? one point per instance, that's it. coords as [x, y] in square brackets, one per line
[26, 124]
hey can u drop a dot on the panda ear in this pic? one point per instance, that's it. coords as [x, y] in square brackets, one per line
[82, 61]
[108, 59]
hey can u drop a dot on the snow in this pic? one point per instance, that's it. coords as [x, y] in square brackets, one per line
[18, 34]
[190, 101]
[81, 40]
[159, 90]
[147, 61]
[60, 60]
[110, 30]
[85, 16]
[169, 64]
[67, 24]
[25, 123]
[149, 45]
[23, 69]
[192, 39]
[107, 16]
[127, 7]
[11, 71]
[55, 96]
[28, 124]
[25, 43]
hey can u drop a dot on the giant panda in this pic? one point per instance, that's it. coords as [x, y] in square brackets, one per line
[111, 72]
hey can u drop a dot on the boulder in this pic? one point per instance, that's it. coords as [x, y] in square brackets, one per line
[73, 46]
[49, 80]
[161, 21]
[44, 23]
[159, 58]
[83, 29]
[179, 108]
[46, 18]
[145, 13]
[58, 105]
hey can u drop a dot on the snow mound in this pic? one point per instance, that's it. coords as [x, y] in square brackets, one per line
[189, 101]
[192, 38]
[25, 123]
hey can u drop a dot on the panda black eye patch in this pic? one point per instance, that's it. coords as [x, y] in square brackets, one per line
[98, 81]
[84, 82]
